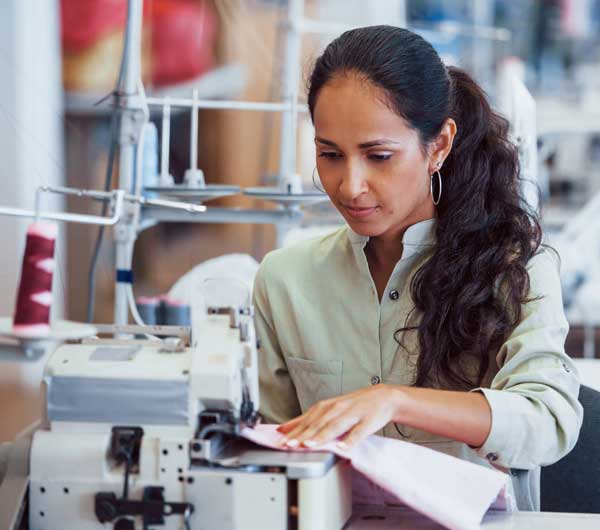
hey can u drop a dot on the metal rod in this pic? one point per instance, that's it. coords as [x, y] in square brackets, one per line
[291, 70]
[194, 131]
[38, 203]
[221, 215]
[165, 140]
[162, 203]
[62, 217]
[73, 217]
[124, 232]
[223, 104]
[79, 192]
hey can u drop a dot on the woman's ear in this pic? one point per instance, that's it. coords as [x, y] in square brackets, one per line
[442, 145]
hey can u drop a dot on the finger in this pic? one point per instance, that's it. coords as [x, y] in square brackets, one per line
[290, 428]
[298, 434]
[286, 427]
[311, 420]
[337, 426]
[334, 418]
[358, 433]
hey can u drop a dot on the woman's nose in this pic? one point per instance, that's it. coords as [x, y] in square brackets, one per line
[354, 182]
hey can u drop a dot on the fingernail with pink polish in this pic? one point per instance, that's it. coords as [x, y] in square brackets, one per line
[292, 443]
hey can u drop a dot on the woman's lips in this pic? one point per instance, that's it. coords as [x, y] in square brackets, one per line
[360, 213]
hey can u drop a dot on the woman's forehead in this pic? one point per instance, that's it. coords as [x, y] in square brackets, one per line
[350, 107]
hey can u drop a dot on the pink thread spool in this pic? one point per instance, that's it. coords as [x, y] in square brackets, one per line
[32, 313]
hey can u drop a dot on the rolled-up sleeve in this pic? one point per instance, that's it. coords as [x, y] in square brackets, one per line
[536, 415]
[278, 398]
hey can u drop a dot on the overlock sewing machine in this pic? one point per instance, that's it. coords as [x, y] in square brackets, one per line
[144, 433]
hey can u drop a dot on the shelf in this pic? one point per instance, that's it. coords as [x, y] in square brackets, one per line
[290, 199]
[202, 194]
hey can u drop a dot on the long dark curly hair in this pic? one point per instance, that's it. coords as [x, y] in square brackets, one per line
[469, 293]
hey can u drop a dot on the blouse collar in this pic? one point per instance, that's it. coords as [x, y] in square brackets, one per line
[421, 234]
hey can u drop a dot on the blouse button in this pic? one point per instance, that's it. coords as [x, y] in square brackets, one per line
[492, 457]
[566, 368]
[375, 380]
[394, 295]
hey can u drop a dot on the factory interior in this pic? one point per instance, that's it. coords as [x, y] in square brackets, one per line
[300, 264]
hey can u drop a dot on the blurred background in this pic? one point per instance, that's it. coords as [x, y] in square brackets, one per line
[59, 59]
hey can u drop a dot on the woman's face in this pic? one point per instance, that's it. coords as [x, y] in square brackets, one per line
[369, 160]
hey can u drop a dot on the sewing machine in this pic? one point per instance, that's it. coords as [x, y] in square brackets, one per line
[143, 433]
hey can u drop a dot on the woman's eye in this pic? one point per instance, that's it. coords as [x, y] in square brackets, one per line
[380, 157]
[329, 154]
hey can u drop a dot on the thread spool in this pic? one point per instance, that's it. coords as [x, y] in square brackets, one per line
[34, 295]
[175, 313]
[149, 309]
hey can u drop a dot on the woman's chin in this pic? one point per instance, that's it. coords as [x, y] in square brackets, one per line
[368, 223]
[365, 228]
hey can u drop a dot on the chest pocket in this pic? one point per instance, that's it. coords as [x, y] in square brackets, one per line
[315, 380]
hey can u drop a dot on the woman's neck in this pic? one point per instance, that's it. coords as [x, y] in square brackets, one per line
[382, 253]
[385, 251]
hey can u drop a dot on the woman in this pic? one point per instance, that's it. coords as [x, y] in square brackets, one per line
[435, 315]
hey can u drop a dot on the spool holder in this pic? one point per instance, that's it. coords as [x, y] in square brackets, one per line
[23, 347]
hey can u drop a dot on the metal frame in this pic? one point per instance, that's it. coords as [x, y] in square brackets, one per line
[137, 220]
[116, 197]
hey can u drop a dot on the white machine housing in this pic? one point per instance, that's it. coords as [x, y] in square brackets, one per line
[95, 387]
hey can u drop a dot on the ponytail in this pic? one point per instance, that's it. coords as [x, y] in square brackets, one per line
[484, 237]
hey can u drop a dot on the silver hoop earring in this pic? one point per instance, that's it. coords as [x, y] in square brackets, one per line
[439, 176]
[315, 183]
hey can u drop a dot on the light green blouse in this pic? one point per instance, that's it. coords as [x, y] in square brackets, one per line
[324, 332]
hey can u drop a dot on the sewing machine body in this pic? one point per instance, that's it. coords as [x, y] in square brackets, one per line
[175, 414]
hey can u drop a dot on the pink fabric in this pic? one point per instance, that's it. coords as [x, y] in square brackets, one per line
[453, 492]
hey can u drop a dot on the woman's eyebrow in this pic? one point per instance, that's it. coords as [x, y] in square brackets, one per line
[374, 143]
[364, 145]
[326, 142]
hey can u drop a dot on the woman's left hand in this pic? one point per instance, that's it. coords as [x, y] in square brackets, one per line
[351, 417]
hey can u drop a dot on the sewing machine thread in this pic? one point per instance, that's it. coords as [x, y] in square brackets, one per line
[34, 296]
